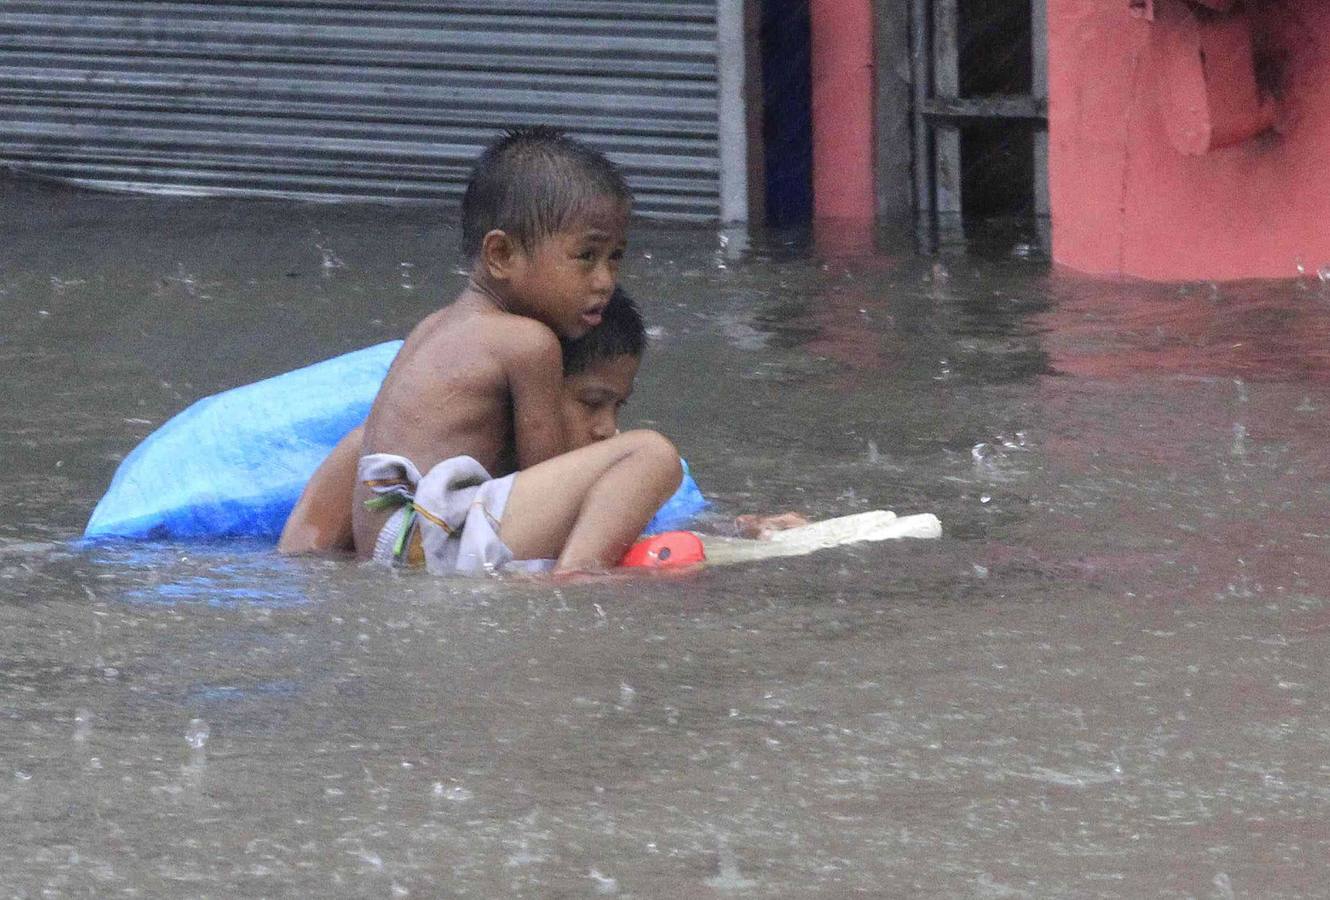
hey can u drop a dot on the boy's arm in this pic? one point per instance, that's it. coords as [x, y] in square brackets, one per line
[321, 520]
[535, 382]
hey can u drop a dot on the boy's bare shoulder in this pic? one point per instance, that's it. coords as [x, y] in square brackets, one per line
[514, 340]
[479, 346]
[527, 336]
[518, 332]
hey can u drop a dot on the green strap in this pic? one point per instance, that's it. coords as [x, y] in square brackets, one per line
[392, 501]
[385, 501]
[408, 520]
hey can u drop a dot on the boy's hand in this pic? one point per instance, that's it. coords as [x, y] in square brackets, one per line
[761, 527]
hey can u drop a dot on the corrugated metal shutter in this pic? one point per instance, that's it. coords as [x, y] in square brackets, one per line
[356, 100]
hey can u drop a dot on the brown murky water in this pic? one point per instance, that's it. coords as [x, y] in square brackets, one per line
[1106, 680]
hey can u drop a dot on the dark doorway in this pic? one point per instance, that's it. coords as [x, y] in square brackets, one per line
[997, 156]
[787, 119]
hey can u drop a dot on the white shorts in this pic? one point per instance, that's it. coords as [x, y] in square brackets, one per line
[452, 513]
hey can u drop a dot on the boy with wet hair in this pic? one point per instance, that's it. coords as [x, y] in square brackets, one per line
[476, 389]
[531, 182]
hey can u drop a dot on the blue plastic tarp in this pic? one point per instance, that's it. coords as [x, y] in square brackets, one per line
[234, 464]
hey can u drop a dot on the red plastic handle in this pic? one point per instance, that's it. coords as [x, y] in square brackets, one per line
[671, 549]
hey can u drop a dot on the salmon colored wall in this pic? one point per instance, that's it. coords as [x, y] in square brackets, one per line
[842, 70]
[1126, 200]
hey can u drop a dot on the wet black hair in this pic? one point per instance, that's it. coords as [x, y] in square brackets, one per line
[533, 181]
[620, 333]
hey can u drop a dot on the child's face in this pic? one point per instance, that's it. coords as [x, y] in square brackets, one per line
[567, 278]
[593, 397]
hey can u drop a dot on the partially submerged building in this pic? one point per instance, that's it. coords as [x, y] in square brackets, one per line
[1161, 138]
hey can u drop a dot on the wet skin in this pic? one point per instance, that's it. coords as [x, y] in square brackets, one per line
[502, 384]
[593, 398]
[321, 522]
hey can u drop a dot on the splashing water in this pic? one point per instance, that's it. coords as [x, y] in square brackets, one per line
[196, 735]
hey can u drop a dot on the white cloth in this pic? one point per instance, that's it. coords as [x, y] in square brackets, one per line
[456, 507]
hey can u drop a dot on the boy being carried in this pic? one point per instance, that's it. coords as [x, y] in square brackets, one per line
[476, 388]
[599, 369]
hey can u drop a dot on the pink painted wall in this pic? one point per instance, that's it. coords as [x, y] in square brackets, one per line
[1126, 200]
[842, 70]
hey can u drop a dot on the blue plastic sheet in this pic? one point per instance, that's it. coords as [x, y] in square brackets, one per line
[234, 464]
[680, 509]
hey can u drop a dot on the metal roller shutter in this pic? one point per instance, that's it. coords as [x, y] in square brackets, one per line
[356, 100]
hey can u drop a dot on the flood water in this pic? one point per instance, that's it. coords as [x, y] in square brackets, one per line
[1106, 680]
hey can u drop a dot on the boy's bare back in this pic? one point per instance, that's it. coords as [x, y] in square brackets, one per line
[466, 374]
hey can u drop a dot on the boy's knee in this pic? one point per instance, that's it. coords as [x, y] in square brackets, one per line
[656, 446]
